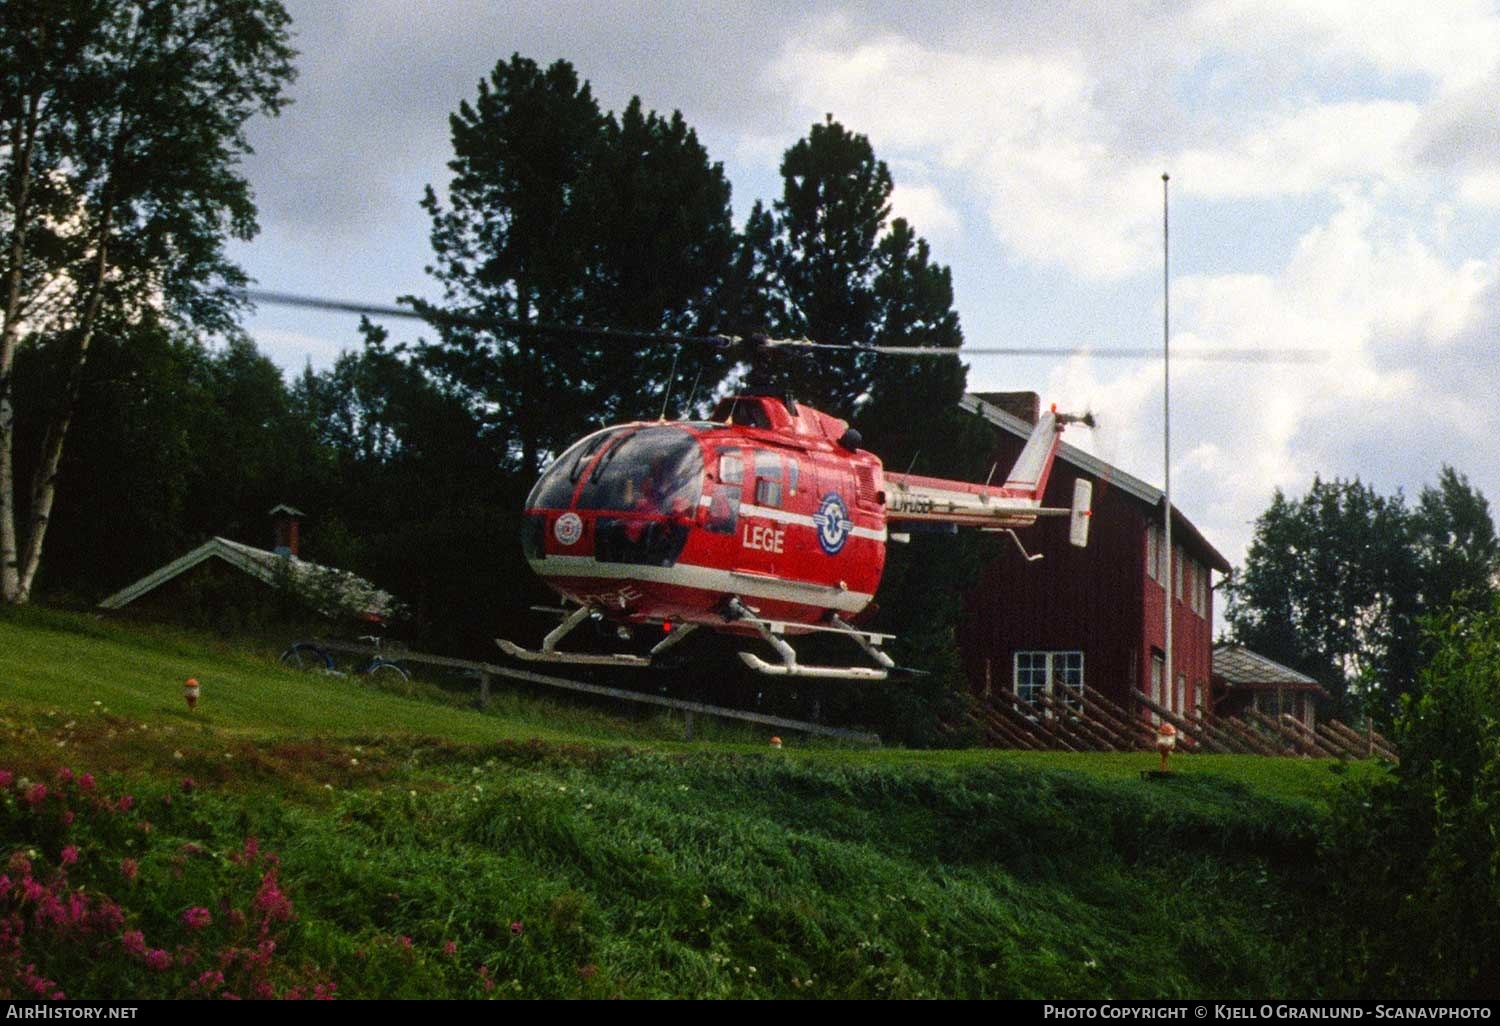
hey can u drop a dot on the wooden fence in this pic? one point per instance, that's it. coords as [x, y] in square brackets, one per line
[486, 674]
[1084, 720]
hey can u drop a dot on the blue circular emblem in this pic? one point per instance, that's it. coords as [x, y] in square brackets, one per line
[833, 523]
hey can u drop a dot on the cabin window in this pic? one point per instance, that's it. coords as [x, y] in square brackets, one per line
[767, 478]
[1059, 674]
[793, 472]
[723, 509]
[731, 467]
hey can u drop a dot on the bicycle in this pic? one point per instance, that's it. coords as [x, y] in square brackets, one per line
[309, 655]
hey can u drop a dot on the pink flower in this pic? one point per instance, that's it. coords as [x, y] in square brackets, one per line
[69, 855]
[157, 960]
[36, 794]
[516, 929]
[271, 901]
[210, 980]
[196, 917]
[124, 803]
[86, 782]
[405, 941]
[68, 817]
[64, 776]
[134, 942]
[188, 785]
[7, 778]
[450, 947]
[129, 868]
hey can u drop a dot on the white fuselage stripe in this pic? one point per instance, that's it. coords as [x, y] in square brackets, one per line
[705, 578]
[783, 516]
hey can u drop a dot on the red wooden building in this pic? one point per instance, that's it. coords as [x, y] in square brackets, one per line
[1091, 616]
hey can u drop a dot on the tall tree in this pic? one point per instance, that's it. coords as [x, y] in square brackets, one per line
[128, 119]
[1329, 587]
[560, 213]
[829, 264]
[1457, 553]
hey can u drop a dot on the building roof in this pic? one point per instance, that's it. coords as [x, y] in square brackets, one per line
[338, 590]
[1239, 667]
[1117, 478]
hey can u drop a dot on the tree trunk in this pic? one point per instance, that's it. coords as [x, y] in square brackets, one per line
[44, 487]
[22, 142]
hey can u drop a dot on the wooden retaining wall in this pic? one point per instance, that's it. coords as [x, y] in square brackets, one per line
[1087, 721]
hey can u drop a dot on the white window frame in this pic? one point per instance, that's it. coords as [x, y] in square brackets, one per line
[1062, 668]
[1158, 675]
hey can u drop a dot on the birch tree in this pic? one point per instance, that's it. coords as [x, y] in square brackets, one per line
[121, 132]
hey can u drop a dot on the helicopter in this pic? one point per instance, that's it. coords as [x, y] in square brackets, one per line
[768, 520]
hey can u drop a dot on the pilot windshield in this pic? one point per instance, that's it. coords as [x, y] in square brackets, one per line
[656, 471]
[556, 487]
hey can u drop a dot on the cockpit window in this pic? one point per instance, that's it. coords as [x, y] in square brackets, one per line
[556, 487]
[657, 470]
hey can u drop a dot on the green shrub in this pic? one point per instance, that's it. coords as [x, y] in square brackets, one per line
[1412, 859]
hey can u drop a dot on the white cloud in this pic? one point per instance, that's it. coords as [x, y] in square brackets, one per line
[1021, 129]
[1305, 151]
[1455, 43]
[925, 209]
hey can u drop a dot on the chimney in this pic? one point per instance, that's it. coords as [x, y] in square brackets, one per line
[285, 519]
[1026, 405]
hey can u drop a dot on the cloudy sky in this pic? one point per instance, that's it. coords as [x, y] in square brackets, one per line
[1335, 184]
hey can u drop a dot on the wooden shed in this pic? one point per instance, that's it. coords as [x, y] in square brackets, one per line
[1247, 680]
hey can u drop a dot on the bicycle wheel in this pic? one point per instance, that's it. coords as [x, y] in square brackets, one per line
[387, 673]
[304, 656]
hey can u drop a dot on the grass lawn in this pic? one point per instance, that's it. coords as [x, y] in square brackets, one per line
[543, 848]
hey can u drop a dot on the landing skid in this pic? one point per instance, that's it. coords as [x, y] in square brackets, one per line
[771, 631]
[550, 654]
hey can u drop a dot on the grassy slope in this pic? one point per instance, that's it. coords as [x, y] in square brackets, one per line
[638, 864]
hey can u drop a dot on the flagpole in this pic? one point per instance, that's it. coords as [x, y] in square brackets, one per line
[1166, 408]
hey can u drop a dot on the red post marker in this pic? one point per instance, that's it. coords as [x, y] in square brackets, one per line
[775, 742]
[190, 692]
[1166, 740]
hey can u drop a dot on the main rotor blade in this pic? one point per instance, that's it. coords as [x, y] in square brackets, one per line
[1280, 355]
[433, 315]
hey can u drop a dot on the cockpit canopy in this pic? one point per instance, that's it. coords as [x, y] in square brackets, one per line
[654, 470]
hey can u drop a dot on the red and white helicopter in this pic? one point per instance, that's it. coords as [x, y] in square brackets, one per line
[768, 520]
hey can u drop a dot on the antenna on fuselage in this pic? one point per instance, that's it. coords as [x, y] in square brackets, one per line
[694, 393]
[671, 379]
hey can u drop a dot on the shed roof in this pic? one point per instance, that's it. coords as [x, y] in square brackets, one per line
[1133, 486]
[340, 588]
[1237, 666]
